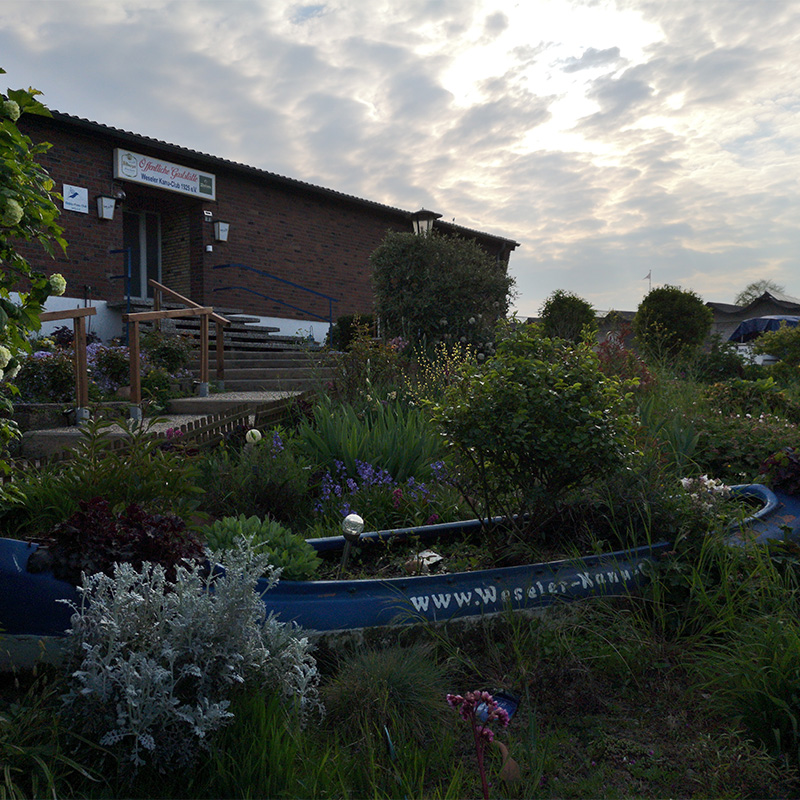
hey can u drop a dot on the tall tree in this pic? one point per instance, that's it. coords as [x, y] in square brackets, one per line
[755, 289]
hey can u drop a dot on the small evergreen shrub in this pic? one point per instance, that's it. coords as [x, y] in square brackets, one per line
[154, 661]
[297, 560]
[95, 538]
[671, 321]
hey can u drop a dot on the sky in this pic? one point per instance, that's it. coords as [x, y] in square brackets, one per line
[613, 139]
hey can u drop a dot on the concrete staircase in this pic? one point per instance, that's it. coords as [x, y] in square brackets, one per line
[257, 359]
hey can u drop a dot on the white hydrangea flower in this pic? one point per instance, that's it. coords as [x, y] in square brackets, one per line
[11, 110]
[12, 214]
[57, 284]
[12, 373]
[253, 436]
[5, 356]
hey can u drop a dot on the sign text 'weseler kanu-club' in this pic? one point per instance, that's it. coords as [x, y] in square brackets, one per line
[129, 166]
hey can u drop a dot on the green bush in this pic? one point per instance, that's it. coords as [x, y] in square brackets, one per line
[721, 362]
[268, 479]
[733, 446]
[566, 316]
[538, 419]
[169, 351]
[752, 397]
[297, 559]
[671, 321]
[46, 378]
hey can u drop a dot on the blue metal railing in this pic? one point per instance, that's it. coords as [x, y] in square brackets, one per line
[331, 300]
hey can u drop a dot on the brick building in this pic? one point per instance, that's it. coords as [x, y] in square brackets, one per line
[300, 252]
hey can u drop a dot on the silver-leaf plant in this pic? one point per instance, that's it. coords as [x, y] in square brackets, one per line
[155, 661]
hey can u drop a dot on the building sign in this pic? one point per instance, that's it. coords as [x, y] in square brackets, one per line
[149, 171]
[76, 198]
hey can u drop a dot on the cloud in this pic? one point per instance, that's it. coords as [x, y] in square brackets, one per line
[593, 58]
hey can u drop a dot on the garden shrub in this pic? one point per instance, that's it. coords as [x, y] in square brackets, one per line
[170, 351]
[783, 344]
[564, 315]
[46, 377]
[617, 361]
[671, 321]
[268, 479]
[537, 419]
[722, 361]
[154, 661]
[95, 538]
[369, 371]
[733, 446]
[141, 471]
[350, 327]
[297, 560]
[753, 397]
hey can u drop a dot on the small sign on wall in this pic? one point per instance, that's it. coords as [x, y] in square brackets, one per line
[76, 198]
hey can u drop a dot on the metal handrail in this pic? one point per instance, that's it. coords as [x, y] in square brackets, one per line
[331, 300]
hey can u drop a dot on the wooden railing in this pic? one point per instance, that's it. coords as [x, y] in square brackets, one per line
[206, 313]
[160, 290]
[78, 317]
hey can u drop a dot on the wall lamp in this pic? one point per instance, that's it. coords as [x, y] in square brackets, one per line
[221, 230]
[422, 221]
[105, 206]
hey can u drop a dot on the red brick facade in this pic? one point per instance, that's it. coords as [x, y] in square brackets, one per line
[313, 237]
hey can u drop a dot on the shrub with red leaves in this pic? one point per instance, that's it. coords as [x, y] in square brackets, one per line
[94, 538]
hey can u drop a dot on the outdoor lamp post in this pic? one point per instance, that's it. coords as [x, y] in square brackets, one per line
[422, 221]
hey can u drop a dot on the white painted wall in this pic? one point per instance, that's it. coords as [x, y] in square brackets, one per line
[107, 323]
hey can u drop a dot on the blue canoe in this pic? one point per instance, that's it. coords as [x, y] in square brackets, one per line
[30, 603]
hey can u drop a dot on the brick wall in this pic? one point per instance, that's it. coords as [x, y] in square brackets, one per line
[315, 239]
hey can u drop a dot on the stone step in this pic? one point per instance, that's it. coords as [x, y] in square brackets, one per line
[279, 360]
[274, 373]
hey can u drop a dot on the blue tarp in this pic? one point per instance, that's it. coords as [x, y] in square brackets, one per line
[750, 328]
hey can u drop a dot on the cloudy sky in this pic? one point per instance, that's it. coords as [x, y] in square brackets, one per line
[611, 138]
